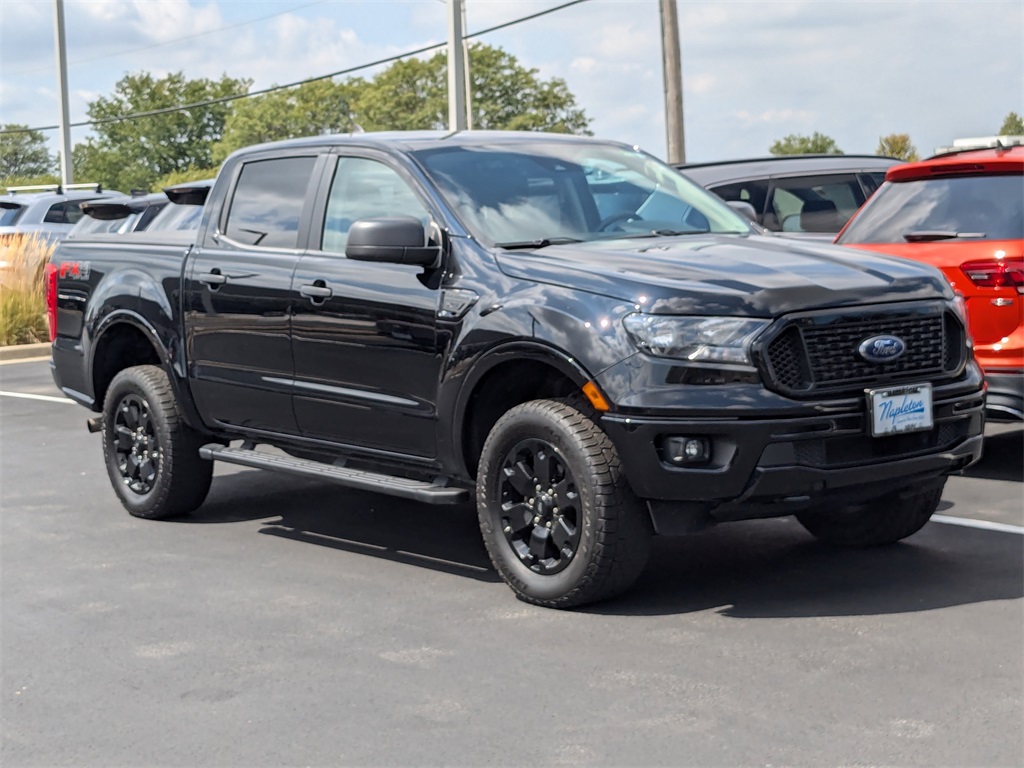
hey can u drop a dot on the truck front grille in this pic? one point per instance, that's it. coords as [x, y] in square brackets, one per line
[817, 353]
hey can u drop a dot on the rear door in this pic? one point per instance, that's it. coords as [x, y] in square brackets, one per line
[367, 352]
[238, 294]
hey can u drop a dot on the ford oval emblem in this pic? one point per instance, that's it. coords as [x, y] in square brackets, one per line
[882, 349]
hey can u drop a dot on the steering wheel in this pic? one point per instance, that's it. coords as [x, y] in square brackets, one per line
[615, 218]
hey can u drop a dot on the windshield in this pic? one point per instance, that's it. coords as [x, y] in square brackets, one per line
[968, 207]
[87, 225]
[178, 218]
[541, 191]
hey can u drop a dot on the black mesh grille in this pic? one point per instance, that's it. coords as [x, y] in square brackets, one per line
[820, 353]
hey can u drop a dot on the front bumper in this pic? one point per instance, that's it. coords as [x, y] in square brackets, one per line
[761, 467]
[1005, 394]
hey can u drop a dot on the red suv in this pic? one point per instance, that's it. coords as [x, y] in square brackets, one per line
[963, 213]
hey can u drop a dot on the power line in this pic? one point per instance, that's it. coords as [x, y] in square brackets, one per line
[250, 94]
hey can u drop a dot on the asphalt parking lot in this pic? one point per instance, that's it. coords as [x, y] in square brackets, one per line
[291, 622]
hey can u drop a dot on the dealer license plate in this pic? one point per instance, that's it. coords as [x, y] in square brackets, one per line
[900, 409]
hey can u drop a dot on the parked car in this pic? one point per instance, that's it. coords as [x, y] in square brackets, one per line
[797, 195]
[47, 211]
[963, 212]
[563, 329]
[186, 209]
[118, 215]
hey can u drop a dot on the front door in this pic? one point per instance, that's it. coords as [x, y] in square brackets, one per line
[367, 356]
[238, 298]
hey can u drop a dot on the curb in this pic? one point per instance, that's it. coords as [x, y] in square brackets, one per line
[23, 351]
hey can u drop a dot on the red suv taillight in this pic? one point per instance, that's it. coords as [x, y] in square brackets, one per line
[50, 277]
[996, 273]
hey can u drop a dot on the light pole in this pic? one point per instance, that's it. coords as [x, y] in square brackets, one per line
[673, 70]
[456, 68]
[62, 93]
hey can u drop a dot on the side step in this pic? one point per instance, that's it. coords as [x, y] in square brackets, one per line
[418, 490]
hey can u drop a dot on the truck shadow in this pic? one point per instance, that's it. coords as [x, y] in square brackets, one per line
[754, 569]
[773, 569]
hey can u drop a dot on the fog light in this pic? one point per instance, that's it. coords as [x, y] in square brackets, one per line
[687, 450]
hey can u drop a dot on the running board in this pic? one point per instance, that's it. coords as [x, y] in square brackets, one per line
[418, 490]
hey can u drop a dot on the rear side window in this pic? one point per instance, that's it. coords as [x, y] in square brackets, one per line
[813, 203]
[64, 213]
[10, 213]
[268, 202]
[968, 207]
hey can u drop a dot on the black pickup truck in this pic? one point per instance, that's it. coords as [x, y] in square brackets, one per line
[566, 328]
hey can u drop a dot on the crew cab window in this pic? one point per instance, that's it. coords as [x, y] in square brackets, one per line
[365, 189]
[268, 202]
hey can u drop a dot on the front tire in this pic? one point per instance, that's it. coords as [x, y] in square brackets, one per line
[152, 455]
[560, 522]
[885, 520]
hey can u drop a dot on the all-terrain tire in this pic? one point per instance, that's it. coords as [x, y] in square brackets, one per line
[152, 455]
[560, 522]
[881, 521]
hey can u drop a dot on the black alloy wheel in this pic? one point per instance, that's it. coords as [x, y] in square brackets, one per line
[137, 445]
[152, 455]
[540, 506]
[558, 517]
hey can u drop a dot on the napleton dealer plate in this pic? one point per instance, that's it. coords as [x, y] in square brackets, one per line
[900, 409]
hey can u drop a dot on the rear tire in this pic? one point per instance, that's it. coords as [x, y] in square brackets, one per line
[152, 456]
[560, 522]
[880, 521]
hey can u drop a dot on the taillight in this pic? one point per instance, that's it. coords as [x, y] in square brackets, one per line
[50, 276]
[996, 273]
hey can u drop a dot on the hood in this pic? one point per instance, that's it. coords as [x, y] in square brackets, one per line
[731, 275]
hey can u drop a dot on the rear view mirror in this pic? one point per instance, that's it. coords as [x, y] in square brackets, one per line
[391, 239]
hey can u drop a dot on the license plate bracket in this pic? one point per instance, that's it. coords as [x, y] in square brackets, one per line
[897, 410]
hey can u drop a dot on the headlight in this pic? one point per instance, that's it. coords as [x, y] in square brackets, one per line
[697, 339]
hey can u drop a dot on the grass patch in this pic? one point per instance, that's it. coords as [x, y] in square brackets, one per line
[22, 290]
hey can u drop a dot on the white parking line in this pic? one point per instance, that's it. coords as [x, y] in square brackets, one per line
[44, 398]
[24, 360]
[984, 525]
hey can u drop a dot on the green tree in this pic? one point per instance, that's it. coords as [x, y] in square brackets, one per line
[815, 144]
[311, 109]
[897, 145]
[24, 154]
[133, 154]
[180, 177]
[1013, 125]
[413, 94]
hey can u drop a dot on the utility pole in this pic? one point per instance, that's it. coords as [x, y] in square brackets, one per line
[673, 70]
[66, 173]
[456, 68]
[466, 75]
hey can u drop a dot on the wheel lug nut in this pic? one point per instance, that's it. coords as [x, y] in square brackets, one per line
[549, 524]
[508, 529]
[536, 519]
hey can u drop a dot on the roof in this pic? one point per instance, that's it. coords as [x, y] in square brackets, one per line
[783, 165]
[966, 163]
[414, 140]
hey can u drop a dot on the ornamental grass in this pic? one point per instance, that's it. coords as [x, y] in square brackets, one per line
[22, 289]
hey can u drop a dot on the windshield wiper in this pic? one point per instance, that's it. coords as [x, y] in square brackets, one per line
[926, 236]
[536, 244]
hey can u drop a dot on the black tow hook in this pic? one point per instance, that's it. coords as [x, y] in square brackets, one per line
[95, 424]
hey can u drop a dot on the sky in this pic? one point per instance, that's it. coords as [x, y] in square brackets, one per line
[754, 71]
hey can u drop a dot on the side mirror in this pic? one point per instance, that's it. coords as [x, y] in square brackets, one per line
[743, 208]
[391, 239]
